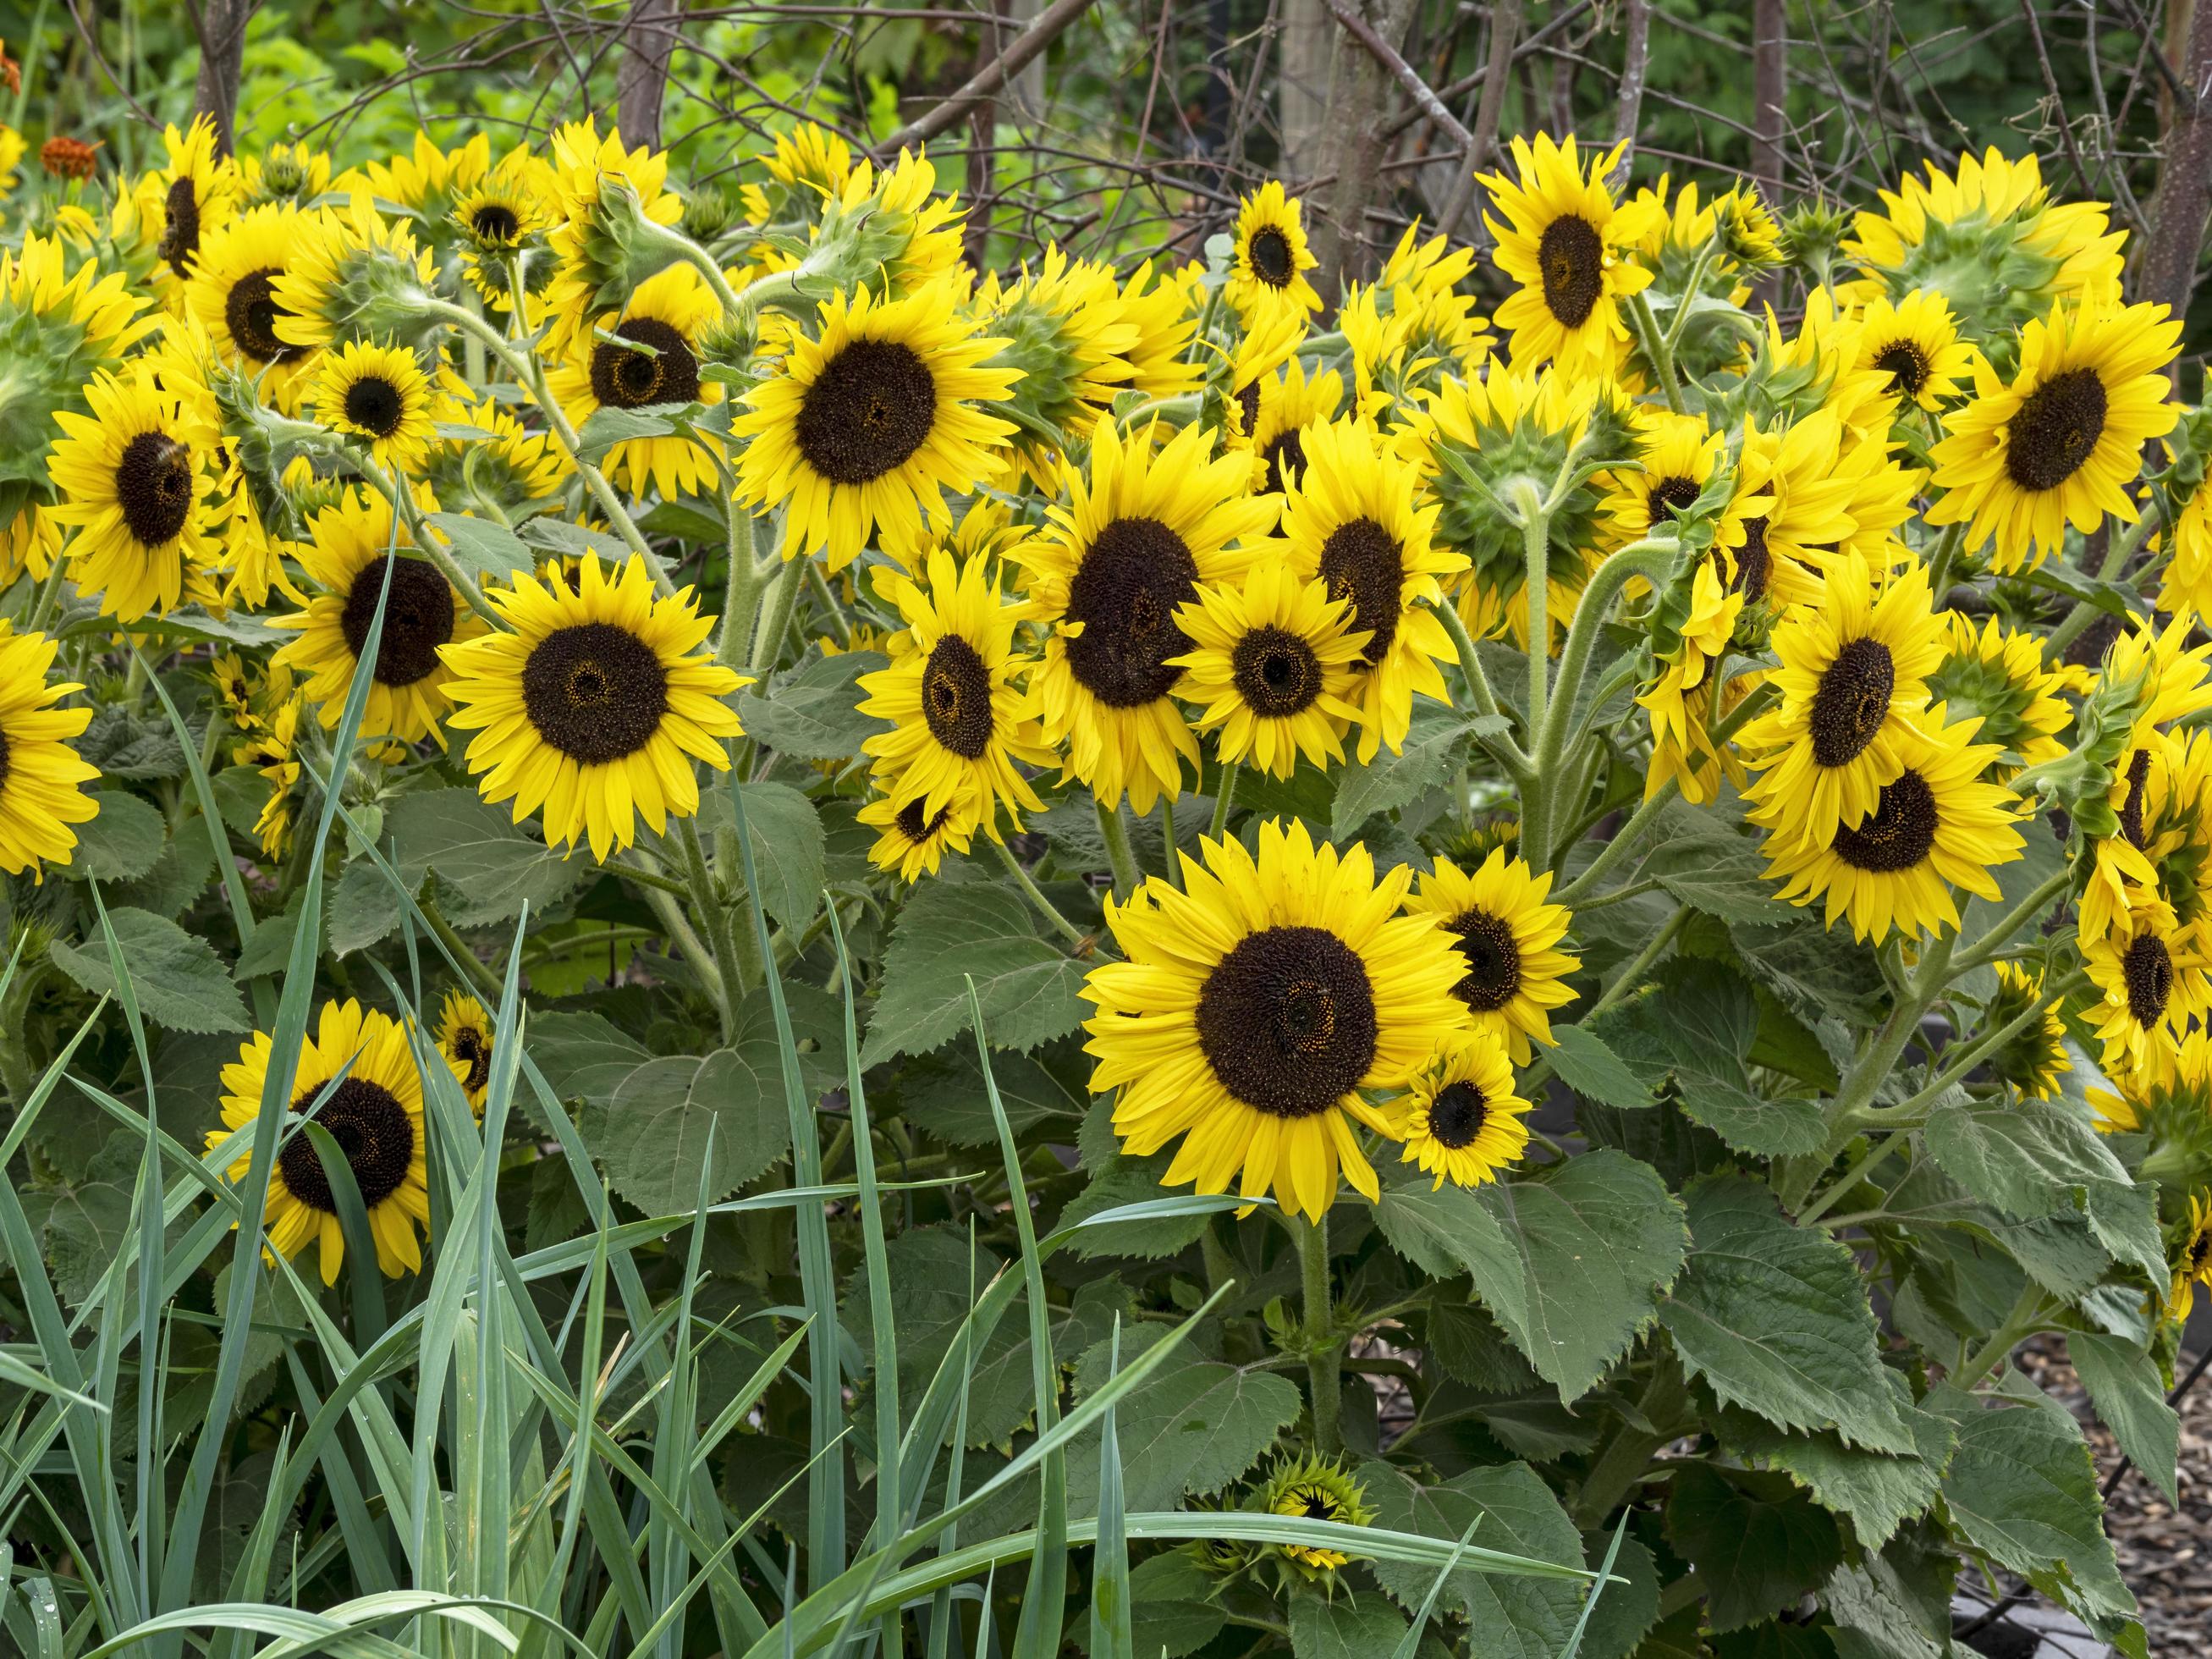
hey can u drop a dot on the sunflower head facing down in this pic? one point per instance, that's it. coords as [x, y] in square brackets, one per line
[1461, 1121]
[1504, 937]
[1566, 242]
[465, 1034]
[356, 1077]
[42, 778]
[381, 395]
[2034, 1059]
[1274, 666]
[912, 837]
[1254, 1008]
[593, 709]
[1269, 259]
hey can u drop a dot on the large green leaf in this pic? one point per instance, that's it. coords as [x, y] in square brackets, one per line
[123, 841]
[1507, 1617]
[1757, 1542]
[1879, 1492]
[179, 980]
[1705, 863]
[487, 867]
[1343, 1627]
[2124, 1385]
[787, 850]
[1434, 745]
[949, 929]
[810, 712]
[1188, 1430]
[490, 552]
[1172, 1610]
[1775, 1318]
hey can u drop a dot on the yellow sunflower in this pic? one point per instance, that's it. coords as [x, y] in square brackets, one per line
[350, 272]
[666, 316]
[1914, 341]
[872, 422]
[1254, 1006]
[1798, 469]
[2060, 443]
[592, 712]
[1461, 1121]
[464, 1035]
[913, 840]
[2185, 588]
[1269, 259]
[272, 750]
[1853, 677]
[1354, 517]
[2034, 1061]
[1315, 1488]
[233, 295]
[345, 558]
[1145, 525]
[41, 777]
[137, 477]
[1273, 419]
[380, 393]
[1566, 243]
[1999, 673]
[360, 1059]
[2193, 1261]
[428, 180]
[959, 721]
[1274, 666]
[1511, 973]
[496, 219]
[1936, 826]
[199, 191]
[2151, 974]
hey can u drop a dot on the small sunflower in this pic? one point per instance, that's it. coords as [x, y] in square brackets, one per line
[592, 712]
[1914, 341]
[136, 476]
[499, 470]
[200, 190]
[1146, 523]
[345, 559]
[1853, 675]
[380, 393]
[465, 1034]
[1255, 1007]
[2193, 1261]
[1462, 1122]
[2060, 444]
[1315, 1488]
[1506, 939]
[665, 318]
[959, 721]
[233, 295]
[1274, 666]
[1355, 519]
[360, 1058]
[2034, 1061]
[2151, 973]
[913, 839]
[272, 749]
[496, 219]
[1936, 826]
[1997, 673]
[872, 422]
[1269, 259]
[1565, 243]
[1798, 470]
[41, 777]
[1274, 420]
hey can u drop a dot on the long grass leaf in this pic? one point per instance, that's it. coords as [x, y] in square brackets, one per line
[1111, 1636]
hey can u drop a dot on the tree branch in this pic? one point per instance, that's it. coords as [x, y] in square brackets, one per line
[2168, 272]
[642, 79]
[1024, 49]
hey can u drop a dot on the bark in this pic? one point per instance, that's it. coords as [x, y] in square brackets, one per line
[983, 144]
[1302, 85]
[641, 79]
[1465, 204]
[1358, 112]
[222, 25]
[1635, 69]
[2168, 272]
[1770, 30]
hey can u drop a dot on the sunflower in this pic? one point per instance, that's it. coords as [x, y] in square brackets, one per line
[1914, 341]
[465, 1034]
[1274, 666]
[345, 558]
[1798, 469]
[136, 479]
[591, 268]
[496, 219]
[62, 323]
[1166, 322]
[958, 720]
[2151, 973]
[2161, 858]
[1565, 243]
[667, 317]
[41, 777]
[1461, 1119]
[1274, 420]
[284, 173]
[1315, 1488]
[233, 295]
[496, 468]
[2062, 441]
[810, 156]
[360, 1059]
[1268, 257]
[1354, 518]
[199, 191]
[1998, 674]
[29, 543]
[1505, 937]
[872, 422]
[2193, 1261]
[911, 838]
[594, 708]
[352, 274]
[1853, 677]
[2034, 1061]
[1066, 334]
[2185, 588]
[1254, 1008]
[380, 393]
[273, 751]
[426, 179]
[1146, 525]
[889, 229]
[1936, 826]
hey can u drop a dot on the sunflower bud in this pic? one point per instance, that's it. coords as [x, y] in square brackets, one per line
[1812, 237]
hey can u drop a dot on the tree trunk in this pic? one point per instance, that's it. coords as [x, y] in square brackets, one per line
[641, 79]
[1308, 34]
[2168, 272]
[222, 62]
[1635, 68]
[1506, 17]
[1770, 30]
[1359, 114]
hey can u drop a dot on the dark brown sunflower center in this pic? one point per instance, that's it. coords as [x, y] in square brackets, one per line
[1124, 593]
[1456, 1115]
[668, 374]
[154, 487]
[1270, 253]
[180, 234]
[473, 1048]
[872, 405]
[1852, 702]
[594, 691]
[7, 763]
[1906, 365]
[1275, 671]
[1285, 456]
[955, 697]
[1287, 1021]
[1570, 260]
[1316, 1505]
[1898, 833]
[1672, 497]
[2131, 810]
[1493, 955]
[2146, 970]
[914, 826]
[1754, 565]
[373, 1135]
[250, 310]
[495, 222]
[2056, 429]
[1247, 405]
[1363, 561]
[2200, 1252]
[418, 617]
[375, 405]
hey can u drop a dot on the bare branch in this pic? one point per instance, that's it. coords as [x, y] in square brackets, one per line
[1505, 20]
[1769, 29]
[1023, 49]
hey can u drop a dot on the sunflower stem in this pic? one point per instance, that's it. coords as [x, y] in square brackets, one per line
[1043, 906]
[486, 983]
[1225, 797]
[2117, 551]
[1939, 568]
[460, 581]
[741, 596]
[1618, 846]
[841, 625]
[1680, 324]
[1908, 1111]
[2000, 931]
[777, 606]
[714, 916]
[1118, 853]
[2025, 1318]
[1655, 348]
[49, 599]
[1536, 544]
[1324, 1349]
[1507, 752]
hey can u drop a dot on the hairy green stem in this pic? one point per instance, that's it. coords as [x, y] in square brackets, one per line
[1992, 942]
[1043, 906]
[1507, 751]
[714, 916]
[1622, 843]
[1324, 1351]
[2023, 1322]
[1655, 348]
[1119, 853]
[776, 607]
[1224, 795]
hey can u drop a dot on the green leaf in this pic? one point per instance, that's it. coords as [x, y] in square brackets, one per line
[1343, 1627]
[1187, 1431]
[2124, 1385]
[1432, 750]
[1872, 1622]
[1775, 1318]
[1593, 1071]
[1756, 1541]
[487, 868]
[948, 930]
[1701, 861]
[812, 711]
[179, 980]
[271, 948]
[1507, 1617]
[1879, 1492]
[1572, 1261]
[363, 909]
[1127, 1181]
[128, 749]
[609, 426]
[788, 848]
[1692, 1031]
[179, 876]
[488, 551]
[123, 841]
[1625, 1613]
[240, 793]
[1172, 1610]
[943, 1092]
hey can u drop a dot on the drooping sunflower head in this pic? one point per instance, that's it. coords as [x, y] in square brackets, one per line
[888, 228]
[1067, 333]
[464, 1036]
[1269, 258]
[1462, 1121]
[272, 750]
[232, 296]
[381, 395]
[1504, 937]
[199, 191]
[912, 837]
[42, 778]
[284, 173]
[357, 1076]
[591, 710]
[1273, 668]
[872, 420]
[1315, 1488]
[2034, 1059]
[1998, 675]
[59, 328]
[647, 356]
[352, 275]
[1563, 241]
[601, 194]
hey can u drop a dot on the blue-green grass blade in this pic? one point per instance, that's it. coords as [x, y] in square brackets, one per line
[1597, 1588]
[1411, 1641]
[1111, 1636]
